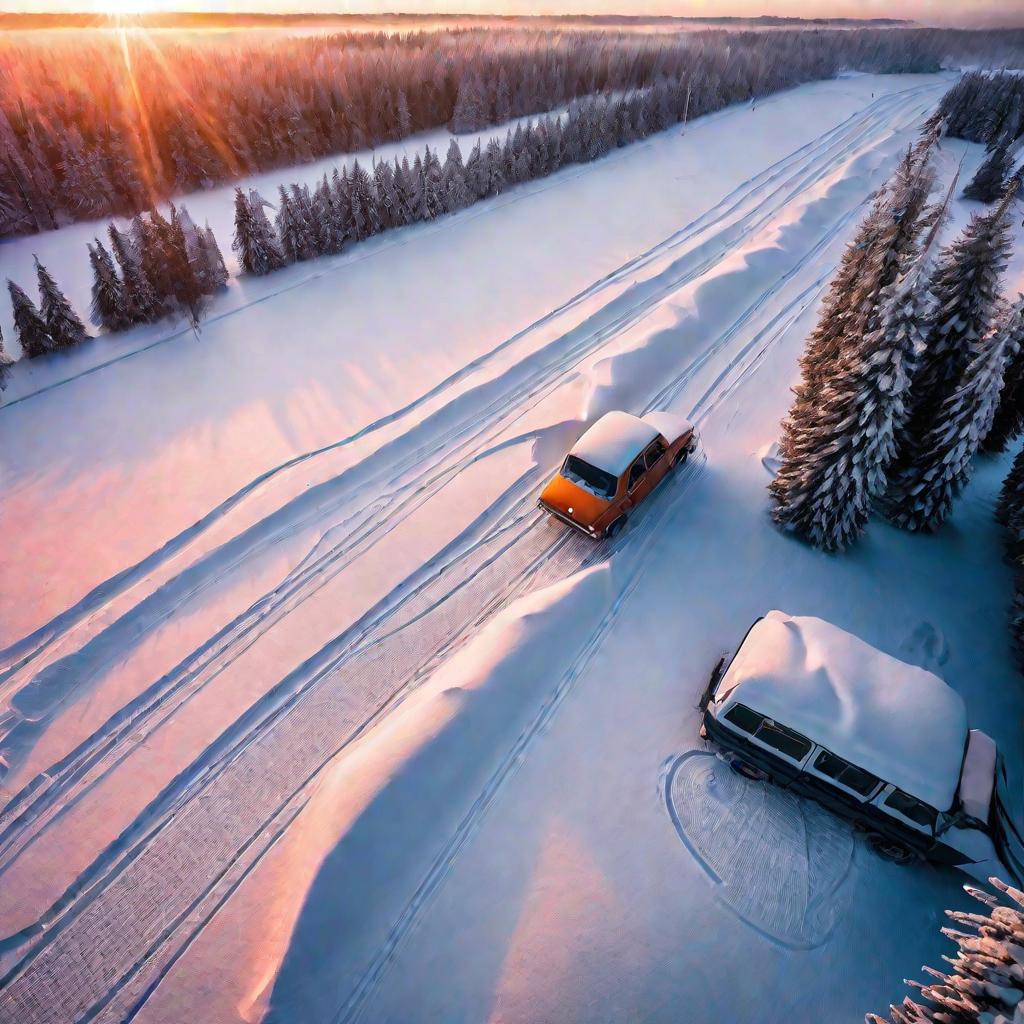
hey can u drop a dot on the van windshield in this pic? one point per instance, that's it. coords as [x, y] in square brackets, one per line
[597, 480]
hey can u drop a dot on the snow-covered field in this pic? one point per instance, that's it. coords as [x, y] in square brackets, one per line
[311, 716]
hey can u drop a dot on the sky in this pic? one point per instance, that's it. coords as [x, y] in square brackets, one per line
[932, 12]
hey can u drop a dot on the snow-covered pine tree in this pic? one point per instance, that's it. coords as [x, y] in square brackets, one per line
[1010, 510]
[63, 324]
[416, 182]
[431, 186]
[289, 230]
[325, 221]
[837, 452]
[984, 982]
[191, 233]
[455, 194]
[151, 235]
[302, 207]
[405, 190]
[474, 173]
[508, 158]
[1009, 419]
[29, 326]
[838, 440]
[6, 362]
[361, 200]
[342, 203]
[187, 287]
[990, 181]
[257, 247]
[215, 273]
[471, 112]
[494, 173]
[885, 241]
[387, 205]
[108, 303]
[921, 494]
[1011, 494]
[965, 287]
[271, 243]
[139, 301]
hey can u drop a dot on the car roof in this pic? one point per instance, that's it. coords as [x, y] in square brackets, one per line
[614, 441]
[895, 720]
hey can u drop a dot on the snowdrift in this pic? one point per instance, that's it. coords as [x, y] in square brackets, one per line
[374, 840]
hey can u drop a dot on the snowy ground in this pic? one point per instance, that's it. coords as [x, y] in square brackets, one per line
[233, 559]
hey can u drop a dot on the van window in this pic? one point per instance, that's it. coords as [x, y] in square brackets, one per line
[743, 718]
[787, 742]
[849, 775]
[911, 808]
[790, 743]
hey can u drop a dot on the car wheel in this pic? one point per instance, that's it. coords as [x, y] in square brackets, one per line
[615, 528]
[890, 849]
[747, 770]
[681, 457]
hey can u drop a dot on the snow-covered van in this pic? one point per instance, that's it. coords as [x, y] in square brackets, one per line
[613, 467]
[880, 742]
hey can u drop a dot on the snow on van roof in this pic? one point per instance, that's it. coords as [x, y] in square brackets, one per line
[895, 720]
[614, 441]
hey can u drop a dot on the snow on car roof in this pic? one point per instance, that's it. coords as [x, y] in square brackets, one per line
[895, 720]
[614, 441]
[670, 426]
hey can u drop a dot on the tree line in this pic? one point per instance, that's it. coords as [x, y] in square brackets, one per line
[156, 267]
[132, 119]
[355, 203]
[988, 107]
[163, 265]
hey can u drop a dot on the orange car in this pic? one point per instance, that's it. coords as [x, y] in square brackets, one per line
[613, 467]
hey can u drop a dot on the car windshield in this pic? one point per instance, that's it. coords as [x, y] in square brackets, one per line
[596, 480]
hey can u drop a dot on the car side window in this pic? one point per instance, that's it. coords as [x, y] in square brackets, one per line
[654, 453]
[636, 471]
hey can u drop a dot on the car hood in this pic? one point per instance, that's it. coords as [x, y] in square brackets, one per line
[562, 494]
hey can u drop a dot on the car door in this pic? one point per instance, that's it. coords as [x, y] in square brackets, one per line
[656, 460]
[637, 485]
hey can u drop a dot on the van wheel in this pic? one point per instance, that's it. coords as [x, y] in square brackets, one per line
[890, 849]
[615, 528]
[747, 770]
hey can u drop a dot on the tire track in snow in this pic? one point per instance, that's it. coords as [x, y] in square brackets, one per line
[332, 264]
[723, 386]
[32, 811]
[197, 793]
[510, 763]
[381, 506]
[746, 228]
[18, 653]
